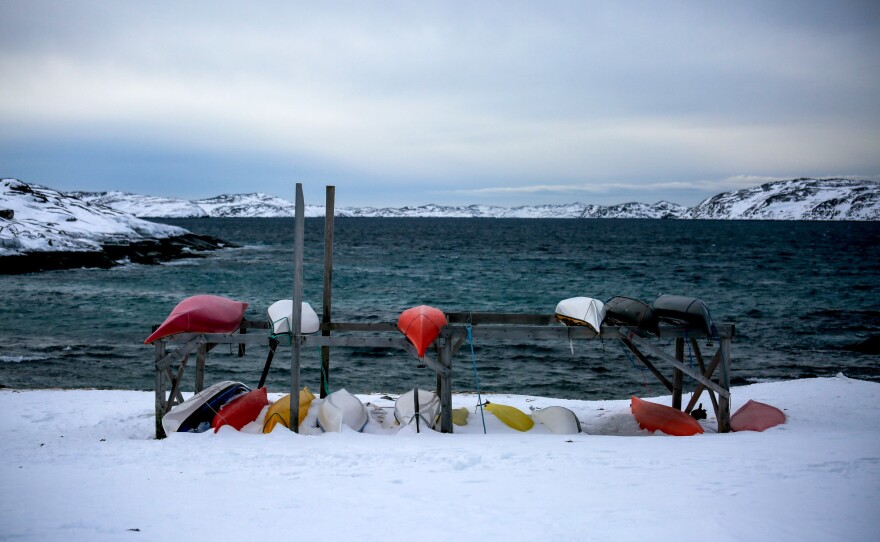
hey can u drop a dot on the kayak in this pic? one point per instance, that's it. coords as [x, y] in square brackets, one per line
[196, 413]
[683, 310]
[429, 408]
[342, 408]
[201, 314]
[557, 419]
[511, 416]
[281, 313]
[421, 325]
[460, 416]
[241, 410]
[671, 421]
[581, 311]
[755, 416]
[625, 311]
[279, 412]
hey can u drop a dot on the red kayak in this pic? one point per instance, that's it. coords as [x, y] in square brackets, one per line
[671, 421]
[421, 325]
[755, 416]
[202, 314]
[241, 411]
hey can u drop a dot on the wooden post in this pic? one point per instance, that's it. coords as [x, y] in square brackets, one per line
[677, 375]
[201, 355]
[296, 317]
[724, 381]
[328, 286]
[160, 389]
[444, 357]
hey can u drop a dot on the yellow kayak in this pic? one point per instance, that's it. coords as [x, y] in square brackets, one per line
[460, 416]
[511, 416]
[279, 412]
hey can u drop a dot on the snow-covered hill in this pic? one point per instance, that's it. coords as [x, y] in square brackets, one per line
[798, 199]
[42, 229]
[143, 206]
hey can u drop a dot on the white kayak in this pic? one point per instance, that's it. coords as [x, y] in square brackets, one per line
[281, 313]
[581, 311]
[428, 411]
[342, 408]
[557, 419]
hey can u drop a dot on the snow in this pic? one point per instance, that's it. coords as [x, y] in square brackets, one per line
[47, 220]
[82, 465]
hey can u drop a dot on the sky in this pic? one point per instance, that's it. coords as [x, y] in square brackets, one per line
[407, 103]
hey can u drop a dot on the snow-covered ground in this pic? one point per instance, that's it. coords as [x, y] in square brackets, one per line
[83, 465]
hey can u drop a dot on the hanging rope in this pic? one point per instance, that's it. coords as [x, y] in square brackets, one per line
[470, 340]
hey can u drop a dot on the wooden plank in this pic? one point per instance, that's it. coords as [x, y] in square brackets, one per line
[500, 318]
[445, 388]
[724, 380]
[644, 344]
[708, 374]
[329, 211]
[176, 379]
[159, 353]
[218, 338]
[647, 363]
[201, 357]
[296, 317]
[677, 374]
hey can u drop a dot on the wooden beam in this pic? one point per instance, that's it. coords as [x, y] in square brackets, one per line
[161, 409]
[647, 363]
[329, 211]
[445, 390]
[201, 357]
[708, 374]
[677, 374]
[724, 380]
[643, 343]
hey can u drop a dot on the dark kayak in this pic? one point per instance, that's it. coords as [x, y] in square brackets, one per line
[681, 310]
[625, 311]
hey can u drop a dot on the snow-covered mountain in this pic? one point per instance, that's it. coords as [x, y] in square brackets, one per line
[797, 199]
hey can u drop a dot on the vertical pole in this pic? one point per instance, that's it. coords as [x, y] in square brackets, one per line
[445, 359]
[201, 355]
[160, 389]
[296, 316]
[724, 382]
[677, 374]
[328, 287]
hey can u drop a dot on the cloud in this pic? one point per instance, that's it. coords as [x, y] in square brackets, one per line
[490, 98]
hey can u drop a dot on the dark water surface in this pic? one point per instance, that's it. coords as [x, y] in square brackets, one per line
[800, 294]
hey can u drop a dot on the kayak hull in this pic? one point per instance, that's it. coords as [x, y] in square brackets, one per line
[625, 311]
[342, 408]
[429, 408]
[581, 311]
[421, 325]
[241, 410]
[279, 412]
[196, 414]
[558, 420]
[201, 314]
[511, 416]
[654, 417]
[756, 416]
[281, 313]
[683, 310]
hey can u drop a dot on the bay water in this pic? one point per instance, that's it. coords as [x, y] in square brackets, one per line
[801, 295]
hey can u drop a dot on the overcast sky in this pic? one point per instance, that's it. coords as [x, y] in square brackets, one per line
[407, 103]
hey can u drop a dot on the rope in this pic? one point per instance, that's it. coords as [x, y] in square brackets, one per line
[470, 340]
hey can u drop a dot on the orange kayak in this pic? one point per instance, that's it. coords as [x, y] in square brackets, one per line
[671, 421]
[756, 416]
[421, 325]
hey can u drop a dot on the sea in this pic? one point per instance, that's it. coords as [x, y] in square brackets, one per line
[802, 295]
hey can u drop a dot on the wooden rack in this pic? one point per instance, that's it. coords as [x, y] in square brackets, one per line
[523, 328]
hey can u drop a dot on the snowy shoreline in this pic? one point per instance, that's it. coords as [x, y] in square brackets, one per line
[83, 465]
